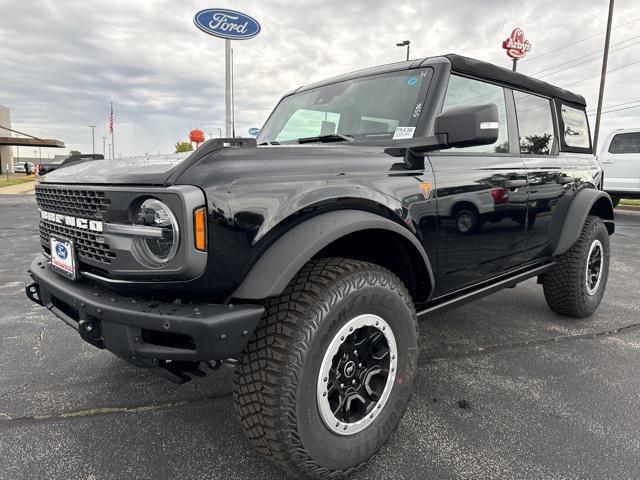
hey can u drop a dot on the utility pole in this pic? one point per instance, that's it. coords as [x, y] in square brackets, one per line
[605, 58]
[404, 43]
[104, 150]
[220, 132]
[93, 137]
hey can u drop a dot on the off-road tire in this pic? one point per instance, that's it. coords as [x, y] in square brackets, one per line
[277, 375]
[565, 287]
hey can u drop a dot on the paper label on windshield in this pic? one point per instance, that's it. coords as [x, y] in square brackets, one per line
[403, 132]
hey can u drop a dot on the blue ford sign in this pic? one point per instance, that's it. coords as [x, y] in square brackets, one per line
[224, 23]
[254, 131]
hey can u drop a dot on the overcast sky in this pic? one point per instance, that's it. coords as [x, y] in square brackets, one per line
[63, 61]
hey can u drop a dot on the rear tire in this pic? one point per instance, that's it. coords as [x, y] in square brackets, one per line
[279, 392]
[575, 285]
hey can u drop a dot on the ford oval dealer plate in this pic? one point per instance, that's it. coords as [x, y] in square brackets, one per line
[63, 257]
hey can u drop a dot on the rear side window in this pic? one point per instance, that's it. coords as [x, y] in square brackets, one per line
[576, 128]
[535, 124]
[466, 92]
[625, 143]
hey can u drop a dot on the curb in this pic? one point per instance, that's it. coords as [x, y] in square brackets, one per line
[629, 208]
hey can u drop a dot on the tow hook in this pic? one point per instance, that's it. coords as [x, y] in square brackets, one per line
[33, 292]
[89, 330]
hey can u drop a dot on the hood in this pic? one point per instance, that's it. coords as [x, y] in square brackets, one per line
[223, 165]
[143, 170]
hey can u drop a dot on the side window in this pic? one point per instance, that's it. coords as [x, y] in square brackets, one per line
[625, 143]
[466, 92]
[576, 128]
[535, 124]
[309, 123]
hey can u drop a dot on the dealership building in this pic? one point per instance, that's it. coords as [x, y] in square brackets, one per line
[10, 138]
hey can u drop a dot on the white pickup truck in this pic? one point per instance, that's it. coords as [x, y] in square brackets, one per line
[620, 159]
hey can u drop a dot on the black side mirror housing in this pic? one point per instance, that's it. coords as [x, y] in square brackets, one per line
[457, 127]
[468, 126]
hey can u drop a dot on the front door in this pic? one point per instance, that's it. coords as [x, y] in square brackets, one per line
[481, 197]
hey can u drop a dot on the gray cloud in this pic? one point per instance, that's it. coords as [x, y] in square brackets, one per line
[63, 61]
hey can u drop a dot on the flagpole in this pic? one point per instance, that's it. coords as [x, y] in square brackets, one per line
[113, 132]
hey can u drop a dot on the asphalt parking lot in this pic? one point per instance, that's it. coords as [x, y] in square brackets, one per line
[505, 389]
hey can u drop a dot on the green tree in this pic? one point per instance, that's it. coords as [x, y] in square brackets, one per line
[74, 152]
[183, 147]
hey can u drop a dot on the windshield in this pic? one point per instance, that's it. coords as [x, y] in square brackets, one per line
[377, 106]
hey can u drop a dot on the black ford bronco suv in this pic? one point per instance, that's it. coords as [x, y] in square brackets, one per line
[306, 259]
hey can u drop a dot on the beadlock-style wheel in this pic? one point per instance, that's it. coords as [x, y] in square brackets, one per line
[357, 374]
[593, 270]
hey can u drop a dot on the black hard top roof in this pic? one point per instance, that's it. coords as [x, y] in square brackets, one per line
[468, 66]
[471, 66]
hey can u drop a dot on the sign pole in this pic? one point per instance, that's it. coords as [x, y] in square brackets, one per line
[603, 75]
[515, 64]
[227, 86]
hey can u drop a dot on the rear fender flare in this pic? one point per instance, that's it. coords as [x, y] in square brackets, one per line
[572, 214]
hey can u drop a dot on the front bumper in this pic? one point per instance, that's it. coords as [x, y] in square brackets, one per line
[170, 338]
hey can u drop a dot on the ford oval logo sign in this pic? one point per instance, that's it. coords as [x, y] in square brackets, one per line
[223, 23]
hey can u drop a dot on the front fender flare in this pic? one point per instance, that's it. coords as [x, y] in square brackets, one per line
[279, 264]
[572, 214]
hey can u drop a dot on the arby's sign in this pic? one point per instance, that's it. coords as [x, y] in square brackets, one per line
[516, 45]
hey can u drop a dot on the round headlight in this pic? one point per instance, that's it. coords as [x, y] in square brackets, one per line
[161, 246]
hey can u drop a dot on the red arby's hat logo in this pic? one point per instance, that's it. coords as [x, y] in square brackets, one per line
[516, 45]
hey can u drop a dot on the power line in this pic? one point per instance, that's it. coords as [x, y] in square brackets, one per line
[615, 110]
[618, 105]
[574, 43]
[596, 76]
[597, 52]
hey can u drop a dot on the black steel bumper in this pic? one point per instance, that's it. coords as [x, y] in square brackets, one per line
[171, 338]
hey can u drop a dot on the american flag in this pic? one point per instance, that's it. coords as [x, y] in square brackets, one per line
[111, 120]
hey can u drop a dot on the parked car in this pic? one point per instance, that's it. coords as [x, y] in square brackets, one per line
[18, 167]
[620, 158]
[44, 168]
[305, 260]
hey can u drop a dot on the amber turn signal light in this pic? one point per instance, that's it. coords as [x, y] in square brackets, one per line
[200, 228]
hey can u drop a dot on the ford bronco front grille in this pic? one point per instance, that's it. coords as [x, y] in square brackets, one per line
[79, 203]
[85, 203]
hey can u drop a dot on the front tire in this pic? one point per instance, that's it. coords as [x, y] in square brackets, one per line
[575, 285]
[344, 333]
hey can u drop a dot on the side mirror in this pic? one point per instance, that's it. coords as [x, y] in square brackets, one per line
[457, 127]
[468, 126]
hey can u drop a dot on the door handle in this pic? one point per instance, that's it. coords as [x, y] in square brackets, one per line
[606, 161]
[515, 183]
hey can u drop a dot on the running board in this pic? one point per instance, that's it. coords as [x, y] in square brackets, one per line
[493, 287]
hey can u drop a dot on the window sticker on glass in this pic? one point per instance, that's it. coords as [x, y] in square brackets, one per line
[576, 129]
[403, 132]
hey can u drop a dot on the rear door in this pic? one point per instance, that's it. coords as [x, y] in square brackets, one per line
[620, 160]
[480, 196]
[550, 176]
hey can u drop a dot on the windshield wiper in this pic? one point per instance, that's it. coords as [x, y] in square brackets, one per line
[332, 137]
[268, 143]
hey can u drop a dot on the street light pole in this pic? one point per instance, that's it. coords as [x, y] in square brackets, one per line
[605, 58]
[104, 150]
[404, 43]
[93, 137]
[18, 155]
[220, 132]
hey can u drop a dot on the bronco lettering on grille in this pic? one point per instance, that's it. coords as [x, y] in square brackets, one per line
[82, 223]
